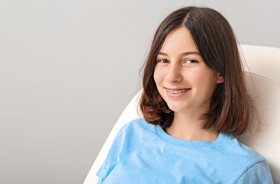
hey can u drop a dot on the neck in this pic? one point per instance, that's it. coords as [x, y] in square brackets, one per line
[189, 127]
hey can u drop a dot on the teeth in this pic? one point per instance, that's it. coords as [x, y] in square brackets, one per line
[177, 91]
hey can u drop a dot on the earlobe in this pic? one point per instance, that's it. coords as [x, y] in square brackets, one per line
[220, 79]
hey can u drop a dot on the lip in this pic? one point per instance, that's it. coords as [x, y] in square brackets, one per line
[175, 93]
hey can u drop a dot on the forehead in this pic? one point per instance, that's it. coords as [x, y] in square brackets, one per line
[178, 41]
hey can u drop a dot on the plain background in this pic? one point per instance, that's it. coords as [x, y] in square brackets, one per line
[69, 67]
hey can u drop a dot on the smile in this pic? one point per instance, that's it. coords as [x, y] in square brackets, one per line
[177, 91]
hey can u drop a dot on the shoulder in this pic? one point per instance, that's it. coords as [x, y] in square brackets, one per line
[132, 136]
[250, 164]
[232, 145]
[257, 169]
[257, 173]
[137, 128]
[137, 125]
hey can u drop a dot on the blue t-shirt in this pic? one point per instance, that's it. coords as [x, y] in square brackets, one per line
[143, 153]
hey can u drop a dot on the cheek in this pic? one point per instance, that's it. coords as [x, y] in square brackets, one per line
[158, 76]
[193, 77]
[205, 80]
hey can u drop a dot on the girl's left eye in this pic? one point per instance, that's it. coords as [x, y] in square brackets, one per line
[190, 61]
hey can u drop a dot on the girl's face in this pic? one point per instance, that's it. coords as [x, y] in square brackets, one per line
[182, 78]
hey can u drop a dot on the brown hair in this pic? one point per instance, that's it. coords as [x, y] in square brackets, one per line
[230, 104]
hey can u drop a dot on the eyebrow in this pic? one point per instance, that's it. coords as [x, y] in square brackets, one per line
[183, 54]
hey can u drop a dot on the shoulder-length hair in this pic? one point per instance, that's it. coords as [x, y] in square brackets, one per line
[230, 104]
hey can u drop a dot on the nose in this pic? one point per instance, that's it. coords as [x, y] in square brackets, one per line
[174, 74]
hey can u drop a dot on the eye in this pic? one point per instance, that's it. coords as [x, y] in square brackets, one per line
[190, 61]
[162, 61]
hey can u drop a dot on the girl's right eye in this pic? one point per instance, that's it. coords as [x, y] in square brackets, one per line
[162, 61]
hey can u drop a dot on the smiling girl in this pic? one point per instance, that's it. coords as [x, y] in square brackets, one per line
[194, 103]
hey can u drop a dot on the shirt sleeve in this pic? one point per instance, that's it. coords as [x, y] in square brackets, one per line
[259, 173]
[112, 157]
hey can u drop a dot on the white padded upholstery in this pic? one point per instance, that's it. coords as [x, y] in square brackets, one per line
[262, 67]
[263, 81]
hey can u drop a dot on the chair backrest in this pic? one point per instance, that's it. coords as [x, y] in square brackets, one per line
[262, 67]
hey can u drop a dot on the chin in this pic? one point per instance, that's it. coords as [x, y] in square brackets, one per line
[177, 108]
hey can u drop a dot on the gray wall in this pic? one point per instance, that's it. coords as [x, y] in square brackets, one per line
[69, 67]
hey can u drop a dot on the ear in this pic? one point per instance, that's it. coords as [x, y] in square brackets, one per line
[220, 79]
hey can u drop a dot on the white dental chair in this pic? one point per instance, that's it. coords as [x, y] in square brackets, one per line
[262, 67]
